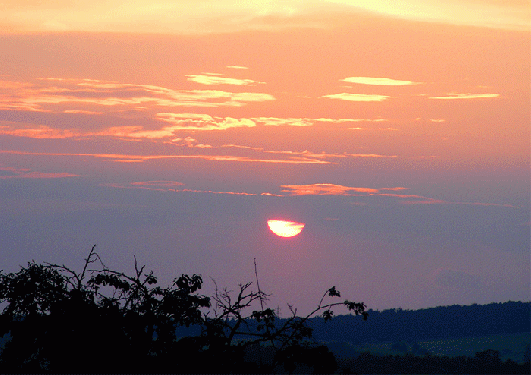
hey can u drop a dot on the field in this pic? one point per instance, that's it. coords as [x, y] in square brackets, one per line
[509, 345]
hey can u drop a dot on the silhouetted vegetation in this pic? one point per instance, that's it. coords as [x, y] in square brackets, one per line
[100, 320]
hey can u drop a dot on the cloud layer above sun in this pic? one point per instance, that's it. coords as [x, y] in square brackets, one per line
[185, 16]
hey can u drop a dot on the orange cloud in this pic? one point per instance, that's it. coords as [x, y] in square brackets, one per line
[286, 190]
[243, 147]
[186, 121]
[395, 188]
[274, 121]
[41, 132]
[324, 155]
[237, 67]
[124, 158]
[337, 121]
[215, 79]
[464, 96]
[358, 97]
[379, 81]
[26, 173]
[71, 93]
[81, 111]
[324, 189]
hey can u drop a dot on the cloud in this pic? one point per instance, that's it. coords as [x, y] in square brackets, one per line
[425, 200]
[185, 121]
[342, 120]
[243, 147]
[511, 15]
[15, 173]
[371, 156]
[324, 189]
[158, 183]
[395, 188]
[222, 16]
[39, 132]
[274, 121]
[305, 122]
[215, 79]
[321, 189]
[127, 158]
[379, 81]
[341, 190]
[81, 111]
[236, 67]
[59, 95]
[324, 155]
[465, 96]
[169, 186]
[358, 97]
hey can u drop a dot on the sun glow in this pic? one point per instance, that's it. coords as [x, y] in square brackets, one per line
[284, 228]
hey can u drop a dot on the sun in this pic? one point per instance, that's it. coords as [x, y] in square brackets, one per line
[284, 228]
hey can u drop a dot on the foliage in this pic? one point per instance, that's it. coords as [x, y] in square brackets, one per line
[59, 318]
[289, 337]
[101, 320]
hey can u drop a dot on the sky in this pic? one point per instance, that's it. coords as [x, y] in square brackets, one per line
[397, 132]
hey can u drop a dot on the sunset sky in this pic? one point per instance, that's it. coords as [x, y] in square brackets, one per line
[397, 132]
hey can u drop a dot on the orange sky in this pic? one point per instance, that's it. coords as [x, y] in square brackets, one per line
[379, 108]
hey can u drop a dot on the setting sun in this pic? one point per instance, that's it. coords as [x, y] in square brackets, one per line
[284, 228]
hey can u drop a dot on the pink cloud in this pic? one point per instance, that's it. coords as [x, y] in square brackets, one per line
[324, 189]
[26, 173]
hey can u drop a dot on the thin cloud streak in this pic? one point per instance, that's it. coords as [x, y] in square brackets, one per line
[439, 201]
[183, 121]
[23, 173]
[143, 158]
[41, 132]
[215, 79]
[323, 189]
[165, 186]
[464, 96]
[327, 189]
[379, 81]
[358, 97]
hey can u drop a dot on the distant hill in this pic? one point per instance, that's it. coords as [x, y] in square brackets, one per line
[437, 323]
[443, 322]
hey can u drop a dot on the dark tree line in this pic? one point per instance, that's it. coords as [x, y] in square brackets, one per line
[437, 323]
[60, 320]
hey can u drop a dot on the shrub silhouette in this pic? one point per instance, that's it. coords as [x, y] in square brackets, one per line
[101, 320]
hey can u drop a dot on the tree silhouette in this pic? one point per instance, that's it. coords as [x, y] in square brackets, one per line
[101, 320]
[61, 320]
[290, 338]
